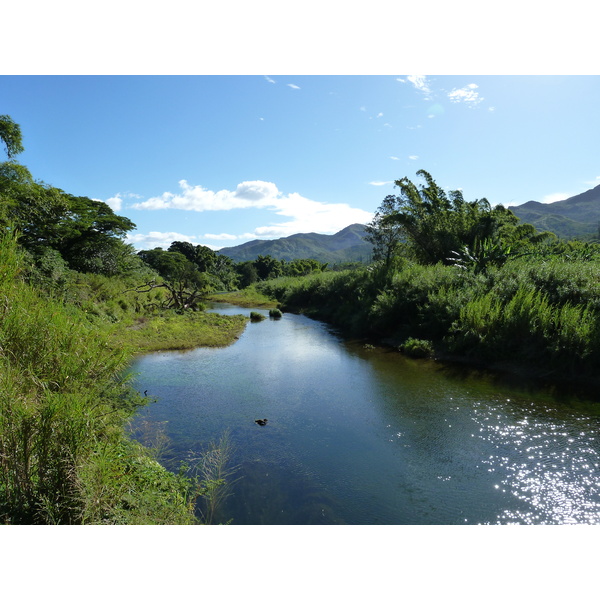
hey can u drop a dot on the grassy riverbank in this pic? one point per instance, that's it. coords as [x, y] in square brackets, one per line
[178, 332]
[249, 297]
[537, 313]
[66, 456]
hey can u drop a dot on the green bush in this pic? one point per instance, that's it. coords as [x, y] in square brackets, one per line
[416, 348]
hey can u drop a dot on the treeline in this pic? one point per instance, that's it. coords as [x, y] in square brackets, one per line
[464, 279]
[197, 270]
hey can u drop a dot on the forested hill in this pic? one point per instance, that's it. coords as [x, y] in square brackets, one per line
[575, 217]
[347, 245]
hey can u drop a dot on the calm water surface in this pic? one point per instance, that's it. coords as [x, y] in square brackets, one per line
[366, 436]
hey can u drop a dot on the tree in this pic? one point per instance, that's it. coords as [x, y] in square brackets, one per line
[268, 267]
[247, 273]
[202, 256]
[383, 234]
[181, 277]
[10, 134]
[431, 226]
[303, 266]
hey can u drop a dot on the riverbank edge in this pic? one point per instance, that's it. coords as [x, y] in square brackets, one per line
[178, 332]
[509, 372]
[246, 298]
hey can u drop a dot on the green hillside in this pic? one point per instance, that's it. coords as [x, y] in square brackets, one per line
[347, 245]
[575, 217]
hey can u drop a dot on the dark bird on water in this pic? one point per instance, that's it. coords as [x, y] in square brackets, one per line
[261, 422]
[145, 392]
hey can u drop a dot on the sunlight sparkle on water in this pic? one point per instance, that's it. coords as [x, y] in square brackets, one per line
[540, 466]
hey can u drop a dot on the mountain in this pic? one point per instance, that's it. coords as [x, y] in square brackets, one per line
[575, 217]
[347, 245]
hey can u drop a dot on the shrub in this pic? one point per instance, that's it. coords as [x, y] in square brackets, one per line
[255, 317]
[417, 348]
[275, 313]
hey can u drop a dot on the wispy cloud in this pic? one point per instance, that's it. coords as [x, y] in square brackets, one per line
[293, 86]
[394, 158]
[116, 202]
[413, 157]
[269, 79]
[157, 239]
[419, 82]
[304, 215]
[219, 236]
[378, 183]
[468, 94]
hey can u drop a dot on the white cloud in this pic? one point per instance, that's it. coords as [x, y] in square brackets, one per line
[269, 79]
[116, 202]
[555, 197]
[310, 216]
[419, 82]
[467, 94]
[219, 236]
[196, 198]
[380, 182]
[306, 215]
[294, 87]
[380, 115]
[394, 158]
[156, 239]
[413, 157]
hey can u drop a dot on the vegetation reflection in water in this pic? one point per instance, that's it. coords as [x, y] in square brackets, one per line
[358, 435]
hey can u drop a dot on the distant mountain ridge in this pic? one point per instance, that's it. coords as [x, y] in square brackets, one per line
[347, 245]
[575, 217]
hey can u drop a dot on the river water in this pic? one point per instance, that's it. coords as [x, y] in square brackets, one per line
[358, 435]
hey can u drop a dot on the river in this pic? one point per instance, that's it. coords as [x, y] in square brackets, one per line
[361, 435]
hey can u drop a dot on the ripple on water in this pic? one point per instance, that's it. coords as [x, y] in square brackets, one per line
[548, 463]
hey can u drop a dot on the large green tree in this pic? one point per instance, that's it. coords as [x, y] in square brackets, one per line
[87, 233]
[180, 277]
[432, 226]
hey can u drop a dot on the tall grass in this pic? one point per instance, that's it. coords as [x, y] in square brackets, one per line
[63, 405]
[535, 311]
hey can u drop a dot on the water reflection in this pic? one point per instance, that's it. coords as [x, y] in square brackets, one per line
[548, 461]
[365, 436]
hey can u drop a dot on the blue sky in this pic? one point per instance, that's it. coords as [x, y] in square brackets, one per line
[219, 160]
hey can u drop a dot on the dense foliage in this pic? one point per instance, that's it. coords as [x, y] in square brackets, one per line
[430, 226]
[464, 279]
